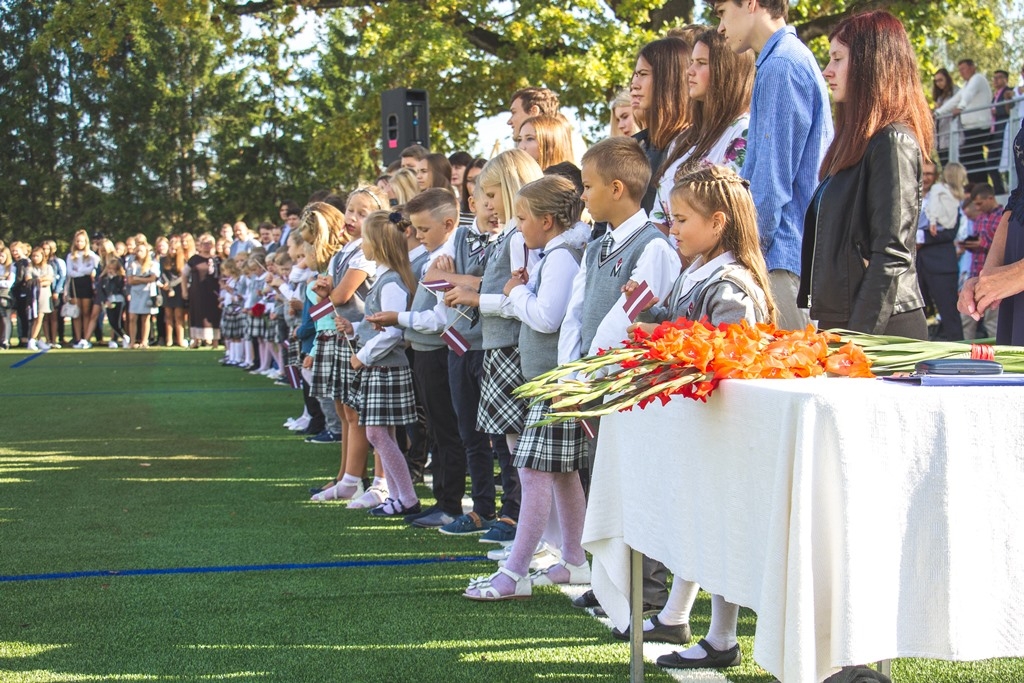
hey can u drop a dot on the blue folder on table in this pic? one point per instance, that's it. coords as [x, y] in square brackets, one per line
[1005, 379]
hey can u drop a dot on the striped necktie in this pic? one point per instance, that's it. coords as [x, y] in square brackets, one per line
[606, 245]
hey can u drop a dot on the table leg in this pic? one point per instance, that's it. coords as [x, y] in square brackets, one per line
[885, 668]
[636, 617]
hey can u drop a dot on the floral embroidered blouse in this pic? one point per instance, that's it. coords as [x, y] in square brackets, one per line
[730, 151]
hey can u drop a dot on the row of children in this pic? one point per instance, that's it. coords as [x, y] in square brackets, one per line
[455, 318]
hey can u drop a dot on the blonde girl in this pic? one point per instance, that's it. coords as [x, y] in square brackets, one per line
[623, 123]
[547, 458]
[143, 272]
[43, 274]
[346, 278]
[715, 225]
[386, 398]
[402, 186]
[548, 139]
[82, 263]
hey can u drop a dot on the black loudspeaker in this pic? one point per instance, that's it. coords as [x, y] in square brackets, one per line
[404, 121]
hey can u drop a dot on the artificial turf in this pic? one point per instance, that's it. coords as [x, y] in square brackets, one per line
[161, 459]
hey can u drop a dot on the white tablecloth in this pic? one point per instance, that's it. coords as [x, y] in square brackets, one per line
[861, 520]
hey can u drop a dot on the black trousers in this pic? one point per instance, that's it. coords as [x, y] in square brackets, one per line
[972, 154]
[430, 371]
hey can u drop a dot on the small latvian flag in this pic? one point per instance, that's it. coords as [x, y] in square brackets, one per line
[638, 300]
[437, 285]
[455, 341]
[322, 309]
[294, 376]
[588, 429]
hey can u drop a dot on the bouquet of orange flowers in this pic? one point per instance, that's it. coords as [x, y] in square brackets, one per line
[690, 358]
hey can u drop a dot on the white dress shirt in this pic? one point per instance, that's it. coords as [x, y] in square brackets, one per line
[392, 298]
[658, 265]
[544, 310]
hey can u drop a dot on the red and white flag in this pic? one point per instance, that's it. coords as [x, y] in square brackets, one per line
[322, 309]
[588, 429]
[294, 376]
[437, 285]
[455, 341]
[640, 298]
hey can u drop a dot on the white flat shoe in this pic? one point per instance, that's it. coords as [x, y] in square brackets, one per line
[578, 574]
[486, 592]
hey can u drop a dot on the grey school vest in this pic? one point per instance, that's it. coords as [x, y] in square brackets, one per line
[353, 308]
[538, 351]
[422, 300]
[364, 330]
[606, 278]
[694, 304]
[470, 259]
[498, 332]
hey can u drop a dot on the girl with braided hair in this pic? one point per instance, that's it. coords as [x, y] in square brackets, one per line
[548, 458]
[715, 223]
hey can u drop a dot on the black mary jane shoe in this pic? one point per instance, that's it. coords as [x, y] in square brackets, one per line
[714, 659]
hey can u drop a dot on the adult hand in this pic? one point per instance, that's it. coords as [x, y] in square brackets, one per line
[996, 284]
[966, 303]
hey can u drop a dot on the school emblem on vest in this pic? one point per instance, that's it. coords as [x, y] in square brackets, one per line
[616, 268]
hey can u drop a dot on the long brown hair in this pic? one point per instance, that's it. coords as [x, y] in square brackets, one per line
[666, 117]
[730, 87]
[716, 188]
[389, 246]
[554, 138]
[940, 95]
[883, 87]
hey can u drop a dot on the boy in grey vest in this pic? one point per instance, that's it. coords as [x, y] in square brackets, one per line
[615, 177]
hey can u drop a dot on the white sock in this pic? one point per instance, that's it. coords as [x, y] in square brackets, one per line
[722, 632]
[380, 482]
[350, 480]
[680, 602]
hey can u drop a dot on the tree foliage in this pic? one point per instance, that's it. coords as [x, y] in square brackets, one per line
[160, 115]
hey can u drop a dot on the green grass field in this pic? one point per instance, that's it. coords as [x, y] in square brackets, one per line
[152, 460]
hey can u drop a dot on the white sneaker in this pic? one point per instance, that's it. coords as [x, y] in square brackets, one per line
[299, 424]
[86, 344]
[112, 344]
[289, 422]
[33, 345]
[43, 346]
[126, 341]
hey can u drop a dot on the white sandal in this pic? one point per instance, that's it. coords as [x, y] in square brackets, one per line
[578, 574]
[339, 492]
[488, 593]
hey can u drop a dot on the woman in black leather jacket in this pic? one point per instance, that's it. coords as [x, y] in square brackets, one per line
[860, 230]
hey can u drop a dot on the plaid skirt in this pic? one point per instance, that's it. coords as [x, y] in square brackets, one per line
[499, 412]
[347, 379]
[258, 325]
[325, 367]
[277, 330]
[292, 351]
[386, 397]
[232, 323]
[560, 447]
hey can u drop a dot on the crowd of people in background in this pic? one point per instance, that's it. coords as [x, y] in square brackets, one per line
[408, 310]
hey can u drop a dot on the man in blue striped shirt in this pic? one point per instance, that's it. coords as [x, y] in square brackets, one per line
[790, 130]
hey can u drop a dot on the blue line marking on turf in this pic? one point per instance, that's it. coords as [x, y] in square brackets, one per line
[27, 359]
[237, 568]
[135, 392]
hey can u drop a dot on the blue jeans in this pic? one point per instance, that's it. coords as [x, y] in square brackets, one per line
[464, 375]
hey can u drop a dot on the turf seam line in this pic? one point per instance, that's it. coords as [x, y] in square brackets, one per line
[238, 568]
[135, 392]
[27, 359]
